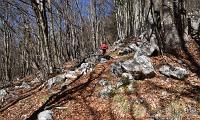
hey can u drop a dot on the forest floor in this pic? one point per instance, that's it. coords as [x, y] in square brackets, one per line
[161, 97]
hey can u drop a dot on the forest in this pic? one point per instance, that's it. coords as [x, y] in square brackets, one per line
[48, 41]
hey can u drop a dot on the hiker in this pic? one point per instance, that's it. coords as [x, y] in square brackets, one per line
[103, 48]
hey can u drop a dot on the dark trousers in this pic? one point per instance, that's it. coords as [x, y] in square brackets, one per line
[103, 51]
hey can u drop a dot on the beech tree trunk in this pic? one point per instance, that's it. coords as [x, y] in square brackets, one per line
[40, 11]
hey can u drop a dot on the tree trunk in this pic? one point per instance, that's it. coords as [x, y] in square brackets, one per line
[40, 11]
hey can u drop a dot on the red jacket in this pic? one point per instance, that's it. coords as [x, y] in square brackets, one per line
[104, 46]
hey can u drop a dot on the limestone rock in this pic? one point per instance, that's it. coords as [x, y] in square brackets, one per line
[140, 67]
[56, 80]
[107, 91]
[3, 93]
[165, 70]
[45, 115]
[85, 68]
[175, 72]
[71, 75]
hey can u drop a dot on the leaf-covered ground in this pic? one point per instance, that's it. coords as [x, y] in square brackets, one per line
[159, 98]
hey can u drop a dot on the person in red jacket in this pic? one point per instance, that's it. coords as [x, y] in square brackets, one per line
[103, 48]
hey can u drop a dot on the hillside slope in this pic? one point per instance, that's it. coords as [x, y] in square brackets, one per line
[129, 85]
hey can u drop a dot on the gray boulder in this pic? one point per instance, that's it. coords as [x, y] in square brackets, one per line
[175, 72]
[179, 73]
[145, 65]
[107, 91]
[147, 48]
[71, 75]
[165, 70]
[3, 93]
[116, 68]
[129, 65]
[56, 80]
[45, 115]
[85, 68]
[140, 67]
[24, 85]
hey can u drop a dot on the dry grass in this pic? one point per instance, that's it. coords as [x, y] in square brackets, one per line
[138, 110]
[122, 102]
[176, 110]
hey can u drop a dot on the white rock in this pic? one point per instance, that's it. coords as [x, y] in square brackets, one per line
[56, 80]
[45, 115]
[107, 91]
[3, 93]
[165, 70]
[139, 67]
[134, 47]
[71, 75]
[175, 72]
[25, 85]
[179, 73]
